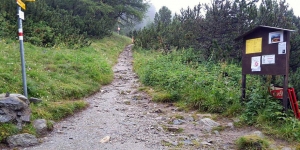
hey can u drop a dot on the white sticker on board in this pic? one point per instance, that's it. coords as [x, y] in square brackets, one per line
[255, 63]
[282, 48]
[268, 59]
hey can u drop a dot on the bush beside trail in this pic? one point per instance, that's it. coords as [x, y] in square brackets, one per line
[193, 83]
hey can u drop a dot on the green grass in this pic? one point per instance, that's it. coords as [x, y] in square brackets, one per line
[252, 142]
[7, 129]
[59, 76]
[178, 81]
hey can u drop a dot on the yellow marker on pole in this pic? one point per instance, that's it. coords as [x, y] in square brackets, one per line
[21, 4]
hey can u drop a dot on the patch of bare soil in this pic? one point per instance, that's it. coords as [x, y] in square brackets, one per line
[120, 117]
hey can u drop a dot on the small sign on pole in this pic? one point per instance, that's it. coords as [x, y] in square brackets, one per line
[21, 15]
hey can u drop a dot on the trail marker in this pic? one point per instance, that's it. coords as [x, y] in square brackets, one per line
[20, 33]
[21, 4]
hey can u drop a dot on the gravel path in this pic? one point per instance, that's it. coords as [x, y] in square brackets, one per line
[113, 112]
[120, 117]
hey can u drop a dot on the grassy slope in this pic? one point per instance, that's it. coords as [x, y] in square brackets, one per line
[58, 76]
[204, 86]
[190, 85]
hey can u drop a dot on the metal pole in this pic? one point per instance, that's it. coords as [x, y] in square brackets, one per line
[20, 31]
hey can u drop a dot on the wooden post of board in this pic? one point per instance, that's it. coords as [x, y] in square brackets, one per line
[243, 88]
[285, 88]
[286, 76]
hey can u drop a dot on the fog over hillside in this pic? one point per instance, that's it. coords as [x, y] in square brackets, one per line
[149, 17]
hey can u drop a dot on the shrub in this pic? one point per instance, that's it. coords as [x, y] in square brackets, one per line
[252, 142]
[179, 75]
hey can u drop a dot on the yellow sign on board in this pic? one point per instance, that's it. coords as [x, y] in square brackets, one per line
[21, 4]
[253, 45]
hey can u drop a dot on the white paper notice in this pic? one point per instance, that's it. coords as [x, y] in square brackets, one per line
[268, 59]
[255, 63]
[21, 15]
[282, 48]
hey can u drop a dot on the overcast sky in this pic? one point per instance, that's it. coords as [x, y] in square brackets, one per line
[176, 5]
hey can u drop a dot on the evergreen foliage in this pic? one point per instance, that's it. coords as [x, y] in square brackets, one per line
[163, 16]
[213, 32]
[51, 23]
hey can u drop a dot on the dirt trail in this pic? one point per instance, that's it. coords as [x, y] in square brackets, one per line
[127, 115]
[113, 112]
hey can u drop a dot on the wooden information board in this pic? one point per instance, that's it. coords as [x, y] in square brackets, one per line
[266, 51]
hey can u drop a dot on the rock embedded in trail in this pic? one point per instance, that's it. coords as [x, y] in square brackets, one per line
[174, 143]
[19, 96]
[259, 134]
[157, 111]
[189, 119]
[208, 124]
[127, 102]
[23, 140]
[230, 125]
[35, 100]
[206, 143]
[12, 103]
[105, 139]
[178, 122]
[217, 133]
[14, 108]
[7, 115]
[188, 142]
[286, 148]
[41, 126]
[173, 129]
